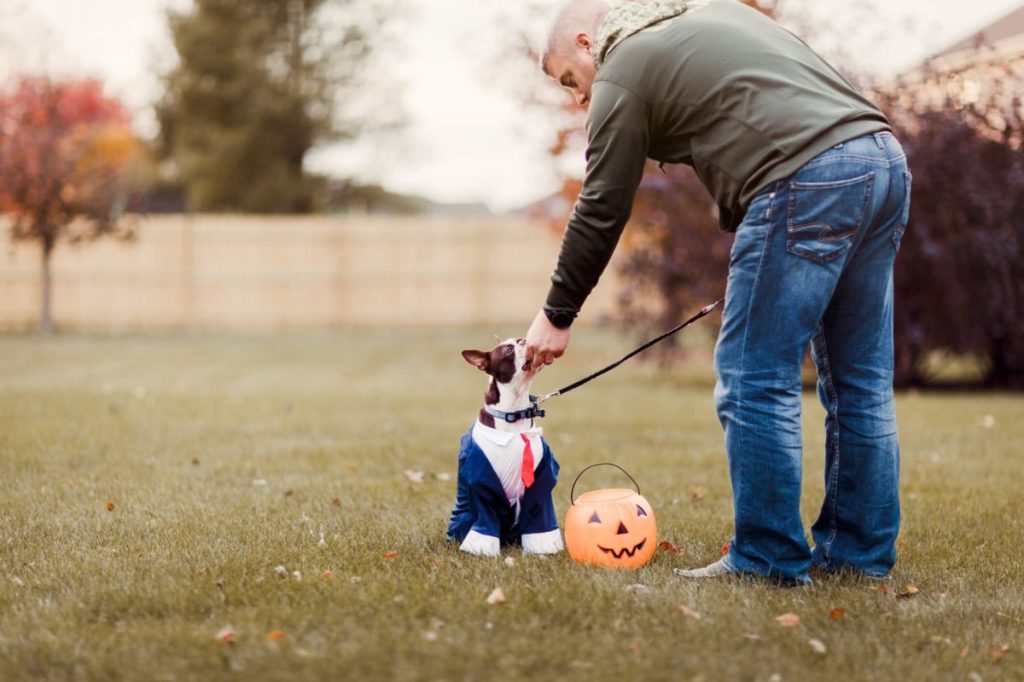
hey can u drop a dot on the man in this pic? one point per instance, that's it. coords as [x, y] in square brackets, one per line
[806, 172]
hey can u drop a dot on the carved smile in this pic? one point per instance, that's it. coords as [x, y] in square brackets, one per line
[625, 551]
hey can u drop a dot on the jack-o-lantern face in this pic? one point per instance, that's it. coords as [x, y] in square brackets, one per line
[613, 528]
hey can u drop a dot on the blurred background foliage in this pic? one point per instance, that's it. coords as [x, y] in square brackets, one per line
[257, 86]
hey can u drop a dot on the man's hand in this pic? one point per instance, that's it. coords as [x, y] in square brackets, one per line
[545, 341]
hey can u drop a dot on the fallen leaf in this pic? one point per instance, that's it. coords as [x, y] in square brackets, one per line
[430, 635]
[726, 547]
[195, 461]
[882, 589]
[336, 501]
[997, 654]
[697, 493]
[415, 476]
[259, 482]
[276, 635]
[281, 572]
[510, 562]
[328, 574]
[788, 620]
[297, 575]
[900, 544]
[837, 614]
[110, 506]
[908, 592]
[226, 635]
[818, 646]
[496, 597]
[17, 581]
[444, 476]
[390, 554]
[638, 588]
[687, 611]
[669, 547]
[752, 637]
[964, 652]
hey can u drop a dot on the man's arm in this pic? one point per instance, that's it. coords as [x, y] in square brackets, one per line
[616, 152]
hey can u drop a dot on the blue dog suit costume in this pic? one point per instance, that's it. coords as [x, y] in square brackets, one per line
[493, 505]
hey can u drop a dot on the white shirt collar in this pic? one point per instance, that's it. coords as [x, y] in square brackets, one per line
[503, 438]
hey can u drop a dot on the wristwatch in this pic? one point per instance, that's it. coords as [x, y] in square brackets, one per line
[562, 319]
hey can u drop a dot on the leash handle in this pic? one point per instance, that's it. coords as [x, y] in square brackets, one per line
[572, 493]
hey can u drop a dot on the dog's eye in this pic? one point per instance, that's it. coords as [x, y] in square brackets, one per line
[509, 350]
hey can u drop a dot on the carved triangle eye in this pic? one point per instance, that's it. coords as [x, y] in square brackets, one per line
[594, 518]
[640, 511]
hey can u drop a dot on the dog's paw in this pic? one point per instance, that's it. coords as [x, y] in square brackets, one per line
[481, 545]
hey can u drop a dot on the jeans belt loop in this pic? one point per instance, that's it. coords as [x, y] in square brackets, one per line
[879, 141]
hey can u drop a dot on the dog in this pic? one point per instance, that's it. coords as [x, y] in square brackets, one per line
[506, 469]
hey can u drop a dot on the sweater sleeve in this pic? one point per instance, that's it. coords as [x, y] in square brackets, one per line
[617, 147]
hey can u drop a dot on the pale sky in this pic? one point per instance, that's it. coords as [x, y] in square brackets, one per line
[468, 136]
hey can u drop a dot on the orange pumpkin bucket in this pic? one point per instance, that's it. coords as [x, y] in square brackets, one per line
[613, 527]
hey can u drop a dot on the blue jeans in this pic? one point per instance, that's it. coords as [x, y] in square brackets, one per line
[813, 263]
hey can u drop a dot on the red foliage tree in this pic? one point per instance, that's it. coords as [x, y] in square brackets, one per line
[66, 156]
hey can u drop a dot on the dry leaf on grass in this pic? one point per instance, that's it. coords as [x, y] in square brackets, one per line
[415, 476]
[510, 562]
[637, 588]
[908, 592]
[965, 651]
[328, 574]
[110, 506]
[687, 611]
[697, 493]
[336, 501]
[276, 635]
[496, 597]
[281, 572]
[788, 620]
[996, 654]
[726, 547]
[669, 547]
[837, 614]
[443, 476]
[818, 646]
[226, 635]
[390, 554]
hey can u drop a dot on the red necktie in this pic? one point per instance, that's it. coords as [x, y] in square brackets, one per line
[527, 461]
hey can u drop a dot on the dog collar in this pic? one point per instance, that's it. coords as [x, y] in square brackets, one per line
[532, 412]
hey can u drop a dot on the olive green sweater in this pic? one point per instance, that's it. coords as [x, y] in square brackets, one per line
[721, 88]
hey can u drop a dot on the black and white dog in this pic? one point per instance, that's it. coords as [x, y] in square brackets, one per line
[506, 469]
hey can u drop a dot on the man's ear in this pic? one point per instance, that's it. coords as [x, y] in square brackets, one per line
[584, 42]
[479, 358]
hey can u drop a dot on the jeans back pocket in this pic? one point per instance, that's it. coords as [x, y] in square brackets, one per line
[824, 217]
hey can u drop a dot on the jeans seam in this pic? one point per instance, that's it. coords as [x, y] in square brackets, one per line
[746, 329]
[833, 474]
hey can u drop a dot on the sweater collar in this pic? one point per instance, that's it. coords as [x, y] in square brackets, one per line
[629, 18]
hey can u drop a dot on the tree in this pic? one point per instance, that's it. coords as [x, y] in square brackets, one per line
[960, 274]
[67, 156]
[256, 87]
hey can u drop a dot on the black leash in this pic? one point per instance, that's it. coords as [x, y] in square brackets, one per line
[537, 400]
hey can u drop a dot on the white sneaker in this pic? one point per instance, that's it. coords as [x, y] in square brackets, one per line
[715, 570]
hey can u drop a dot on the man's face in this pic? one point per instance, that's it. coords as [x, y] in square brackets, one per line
[575, 70]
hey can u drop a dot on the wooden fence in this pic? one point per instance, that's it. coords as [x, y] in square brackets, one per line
[244, 273]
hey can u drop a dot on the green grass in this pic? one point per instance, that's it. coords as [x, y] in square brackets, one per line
[179, 433]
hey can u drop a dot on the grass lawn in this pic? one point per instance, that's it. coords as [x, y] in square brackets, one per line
[150, 486]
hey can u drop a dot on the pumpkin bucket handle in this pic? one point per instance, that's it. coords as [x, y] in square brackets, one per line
[572, 493]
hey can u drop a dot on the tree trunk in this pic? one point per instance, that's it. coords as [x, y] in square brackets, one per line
[46, 316]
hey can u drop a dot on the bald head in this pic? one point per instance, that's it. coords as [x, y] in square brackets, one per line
[575, 17]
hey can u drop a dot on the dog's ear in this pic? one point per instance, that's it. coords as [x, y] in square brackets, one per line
[479, 358]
